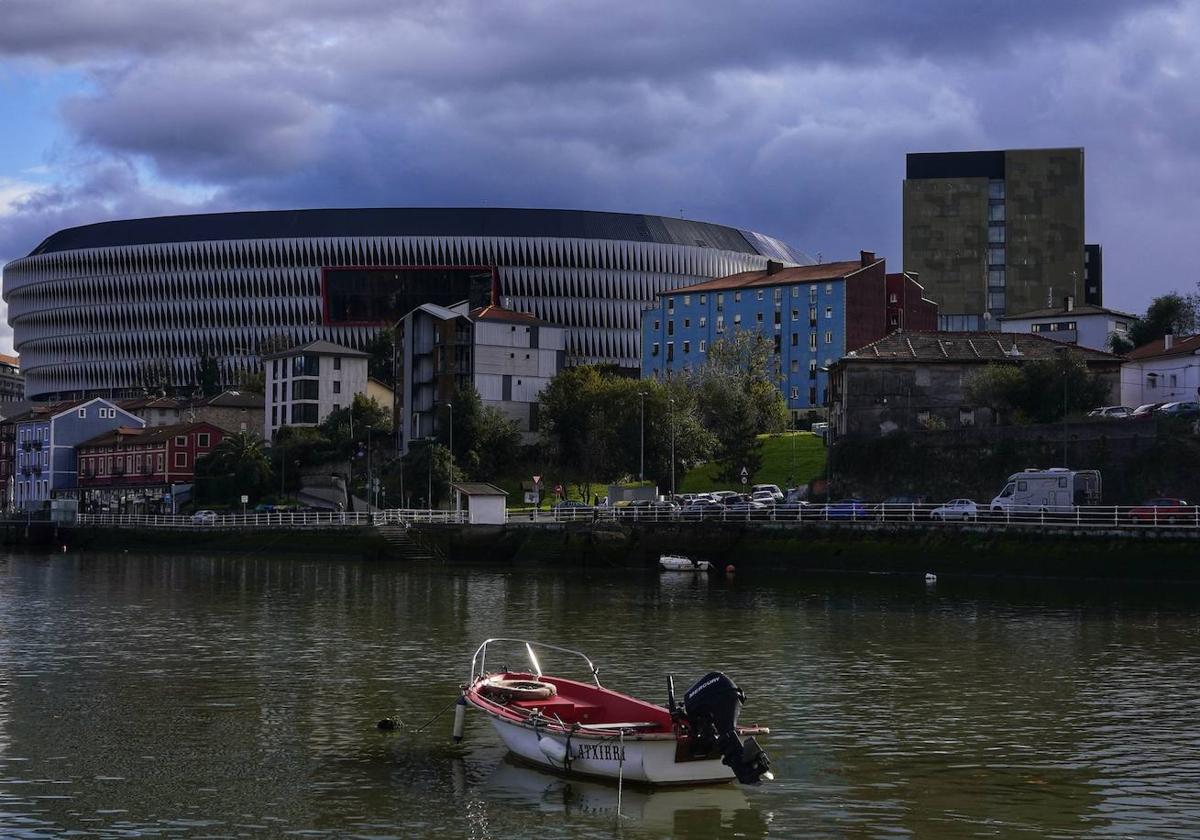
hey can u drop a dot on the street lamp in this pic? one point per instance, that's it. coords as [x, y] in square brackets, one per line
[1064, 359]
[671, 403]
[642, 435]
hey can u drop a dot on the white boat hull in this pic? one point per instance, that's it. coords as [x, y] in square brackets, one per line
[635, 759]
[683, 564]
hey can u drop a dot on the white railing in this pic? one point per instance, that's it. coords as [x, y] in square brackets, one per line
[278, 519]
[1100, 517]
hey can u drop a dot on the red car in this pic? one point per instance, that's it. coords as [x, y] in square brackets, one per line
[1163, 512]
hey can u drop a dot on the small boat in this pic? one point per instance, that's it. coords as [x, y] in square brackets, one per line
[679, 563]
[583, 729]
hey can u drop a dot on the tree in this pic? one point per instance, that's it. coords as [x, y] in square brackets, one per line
[999, 387]
[346, 427]
[1119, 344]
[739, 398]
[208, 373]
[486, 442]
[425, 470]
[155, 377]
[237, 466]
[1170, 313]
[252, 381]
[381, 365]
[1064, 383]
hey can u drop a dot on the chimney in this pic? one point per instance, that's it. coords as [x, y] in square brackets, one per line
[773, 267]
[1069, 303]
[866, 257]
[1168, 341]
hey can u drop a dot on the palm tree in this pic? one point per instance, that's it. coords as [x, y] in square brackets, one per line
[239, 457]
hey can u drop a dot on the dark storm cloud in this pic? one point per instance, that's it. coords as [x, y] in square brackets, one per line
[790, 118]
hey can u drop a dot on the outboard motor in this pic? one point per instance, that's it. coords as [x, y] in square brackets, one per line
[712, 706]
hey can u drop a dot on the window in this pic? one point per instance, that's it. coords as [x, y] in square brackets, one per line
[996, 214]
[202, 440]
[758, 317]
[687, 300]
[828, 312]
[306, 389]
[778, 295]
[996, 190]
[304, 413]
[687, 347]
[828, 288]
[654, 349]
[337, 387]
[670, 306]
[337, 407]
[996, 300]
[181, 440]
[1152, 380]
[812, 316]
[337, 362]
[703, 299]
[795, 366]
[829, 336]
[737, 319]
[703, 345]
[995, 256]
[795, 394]
[812, 341]
[671, 327]
[812, 292]
[657, 325]
[737, 297]
[159, 460]
[687, 322]
[795, 339]
[275, 369]
[720, 323]
[703, 321]
[892, 298]
[83, 412]
[795, 314]
[812, 369]
[670, 351]
[760, 294]
[720, 301]
[812, 395]
[996, 278]
[996, 234]
[181, 459]
[778, 343]
[795, 291]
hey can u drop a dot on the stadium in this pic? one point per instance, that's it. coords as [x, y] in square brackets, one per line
[93, 308]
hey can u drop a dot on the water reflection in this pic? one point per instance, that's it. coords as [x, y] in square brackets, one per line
[175, 695]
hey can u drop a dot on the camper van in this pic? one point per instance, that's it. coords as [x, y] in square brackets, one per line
[1056, 490]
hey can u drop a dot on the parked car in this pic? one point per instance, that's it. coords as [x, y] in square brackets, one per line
[899, 507]
[703, 508]
[963, 509]
[1179, 409]
[204, 517]
[1146, 410]
[1111, 411]
[722, 495]
[1163, 511]
[847, 509]
[748, 509]
[773, 489]
[766, 497]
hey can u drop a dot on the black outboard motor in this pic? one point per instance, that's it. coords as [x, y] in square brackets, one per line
[712, 706]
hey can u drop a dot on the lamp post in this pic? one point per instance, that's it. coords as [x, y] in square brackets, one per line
[642, 435]
[671, 403]
[1063, 359]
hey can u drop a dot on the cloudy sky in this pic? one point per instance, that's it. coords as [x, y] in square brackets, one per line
[791, 117]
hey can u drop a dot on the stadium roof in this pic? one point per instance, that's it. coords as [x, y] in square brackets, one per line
[417, 221]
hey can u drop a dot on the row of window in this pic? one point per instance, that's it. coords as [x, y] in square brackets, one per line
[760, 294]
[1055, 326]
[302, 365]
[812, 342]
[299, 413]
[737, 319]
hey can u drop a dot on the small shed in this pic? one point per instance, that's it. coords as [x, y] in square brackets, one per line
[485, 503]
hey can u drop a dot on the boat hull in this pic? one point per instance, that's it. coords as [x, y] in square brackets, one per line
[634, 759]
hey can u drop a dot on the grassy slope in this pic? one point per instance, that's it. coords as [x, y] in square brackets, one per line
[777, 468]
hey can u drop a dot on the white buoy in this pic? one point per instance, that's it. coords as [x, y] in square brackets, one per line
[930, 577]
[556, 751]
[460, 717]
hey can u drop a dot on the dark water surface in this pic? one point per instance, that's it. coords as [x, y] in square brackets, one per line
[224, 697]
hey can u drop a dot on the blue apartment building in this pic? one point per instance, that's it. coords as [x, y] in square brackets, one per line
[813, 314]
[46, 438]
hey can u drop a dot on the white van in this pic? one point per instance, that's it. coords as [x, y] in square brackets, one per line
[1056, 490]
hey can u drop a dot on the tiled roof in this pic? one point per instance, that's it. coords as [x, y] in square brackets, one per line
[323, 348]
[967, 347]
[782, 277]
[1179, 347]
[12, 361]
[237, 399]
[497, 313]
[152, 434]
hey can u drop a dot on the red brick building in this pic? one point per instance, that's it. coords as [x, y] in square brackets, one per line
[139, 466]
[907, 306]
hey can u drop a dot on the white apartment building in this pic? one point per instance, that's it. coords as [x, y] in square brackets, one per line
[1087, 326]
[306, 384]
[509, 357]
[1165, 370]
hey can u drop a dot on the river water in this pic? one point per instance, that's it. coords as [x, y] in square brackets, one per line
[207, 696]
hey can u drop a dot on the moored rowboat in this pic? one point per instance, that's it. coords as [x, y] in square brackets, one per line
[679, 563]
[585, 729]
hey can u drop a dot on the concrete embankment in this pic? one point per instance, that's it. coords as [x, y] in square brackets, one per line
[827, 548]
[347, 541]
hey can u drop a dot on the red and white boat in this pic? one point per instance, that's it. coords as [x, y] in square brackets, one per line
[585, 729]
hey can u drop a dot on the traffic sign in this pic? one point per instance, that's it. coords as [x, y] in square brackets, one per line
[745, 476]
[245, 499]
[537, 479]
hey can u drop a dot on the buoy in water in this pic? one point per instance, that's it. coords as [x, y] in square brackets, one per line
[729, 569]
[460, 716]
[930, 577]
[387, 724]
[64, 549]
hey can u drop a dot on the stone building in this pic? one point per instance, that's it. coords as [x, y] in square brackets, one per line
[917, 380]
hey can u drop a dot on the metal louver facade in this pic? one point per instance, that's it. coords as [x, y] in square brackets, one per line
[92, 308]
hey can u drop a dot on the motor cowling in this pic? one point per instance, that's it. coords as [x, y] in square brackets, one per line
[712, 706]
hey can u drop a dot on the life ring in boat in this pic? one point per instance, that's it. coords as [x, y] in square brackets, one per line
[506, 690]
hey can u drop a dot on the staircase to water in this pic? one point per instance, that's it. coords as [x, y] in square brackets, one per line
[407, 545]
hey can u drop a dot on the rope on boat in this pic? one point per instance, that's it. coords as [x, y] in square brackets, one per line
[395, 723]
[620, 771]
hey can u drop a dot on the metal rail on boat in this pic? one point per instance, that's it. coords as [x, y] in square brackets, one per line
[481, 657]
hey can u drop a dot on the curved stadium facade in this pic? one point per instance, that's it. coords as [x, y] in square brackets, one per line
[93, 308]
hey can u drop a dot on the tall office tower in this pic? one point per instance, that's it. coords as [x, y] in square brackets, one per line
[1093, 275]
[995, 233]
